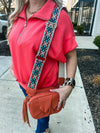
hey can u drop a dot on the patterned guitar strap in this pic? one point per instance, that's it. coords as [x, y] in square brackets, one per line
[41, 58]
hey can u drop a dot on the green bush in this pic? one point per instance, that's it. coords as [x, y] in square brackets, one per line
[74, 25]
[80, 29]
[97, 41]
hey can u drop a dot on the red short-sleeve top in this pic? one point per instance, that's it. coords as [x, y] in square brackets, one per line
[24, 41]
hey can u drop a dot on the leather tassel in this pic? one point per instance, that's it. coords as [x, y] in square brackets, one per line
[25, 111]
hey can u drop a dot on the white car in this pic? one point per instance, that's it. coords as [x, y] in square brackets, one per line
[3, 24]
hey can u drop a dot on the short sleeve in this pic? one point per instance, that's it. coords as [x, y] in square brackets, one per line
[69, 42]
[64, 38]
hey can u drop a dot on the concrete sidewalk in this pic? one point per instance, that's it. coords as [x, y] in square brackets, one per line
[85, 42]
[75, 118]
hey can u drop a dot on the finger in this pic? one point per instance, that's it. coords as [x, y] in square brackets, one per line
[64, 102]
[54, 90]
[59, 105]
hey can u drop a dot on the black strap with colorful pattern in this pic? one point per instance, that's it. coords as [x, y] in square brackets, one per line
[44, 47]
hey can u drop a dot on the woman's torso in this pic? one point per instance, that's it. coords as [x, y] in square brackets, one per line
[24, 40]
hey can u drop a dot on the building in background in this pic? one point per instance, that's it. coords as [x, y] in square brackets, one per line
[86, 13]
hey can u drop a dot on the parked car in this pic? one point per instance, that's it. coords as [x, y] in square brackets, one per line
[3, 25]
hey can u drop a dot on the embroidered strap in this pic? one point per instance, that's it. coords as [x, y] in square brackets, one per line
[44, 47]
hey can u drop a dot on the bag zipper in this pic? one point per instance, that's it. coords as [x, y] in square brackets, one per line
[22, 31]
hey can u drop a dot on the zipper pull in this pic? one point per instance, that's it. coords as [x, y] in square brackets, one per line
[25, 24]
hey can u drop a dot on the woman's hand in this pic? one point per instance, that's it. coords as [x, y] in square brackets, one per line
[64, 93]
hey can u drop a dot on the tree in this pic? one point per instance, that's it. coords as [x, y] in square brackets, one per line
[7, 5]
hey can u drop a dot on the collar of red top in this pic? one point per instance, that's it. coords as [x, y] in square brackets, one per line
[44, 13]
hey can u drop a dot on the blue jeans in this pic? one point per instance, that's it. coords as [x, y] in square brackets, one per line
[42, 123]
